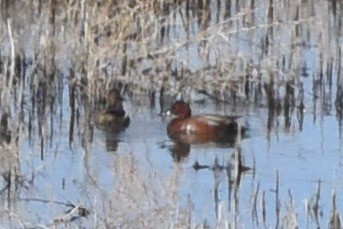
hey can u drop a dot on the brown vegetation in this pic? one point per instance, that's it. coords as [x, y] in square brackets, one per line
[248, 52]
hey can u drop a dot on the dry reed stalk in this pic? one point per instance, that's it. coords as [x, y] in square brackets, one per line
[277, 201]
[254, 211]
[6, 93]
[335, 219]
[290, 219]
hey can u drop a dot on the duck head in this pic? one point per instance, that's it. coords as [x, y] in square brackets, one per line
[181, 109]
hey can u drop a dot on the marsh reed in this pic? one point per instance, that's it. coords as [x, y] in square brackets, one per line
[284, 55]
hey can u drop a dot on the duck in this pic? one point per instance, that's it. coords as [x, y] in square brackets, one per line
[189, 129]
[113, 117]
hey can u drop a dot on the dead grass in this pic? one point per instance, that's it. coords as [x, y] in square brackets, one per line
[143, 199]
[278, 54]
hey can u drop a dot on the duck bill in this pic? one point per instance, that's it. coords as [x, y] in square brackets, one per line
[169, 113]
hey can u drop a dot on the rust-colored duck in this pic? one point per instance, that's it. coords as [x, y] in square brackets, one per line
[195, 129]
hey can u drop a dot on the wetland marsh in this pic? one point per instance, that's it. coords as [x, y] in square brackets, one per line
[276, 63]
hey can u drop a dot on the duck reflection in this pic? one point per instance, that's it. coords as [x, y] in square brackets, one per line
[113, 119]
[180, 151]
[112, 141]
[5, 132]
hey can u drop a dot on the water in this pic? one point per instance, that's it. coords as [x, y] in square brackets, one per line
[301, 159]
[252, 59]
